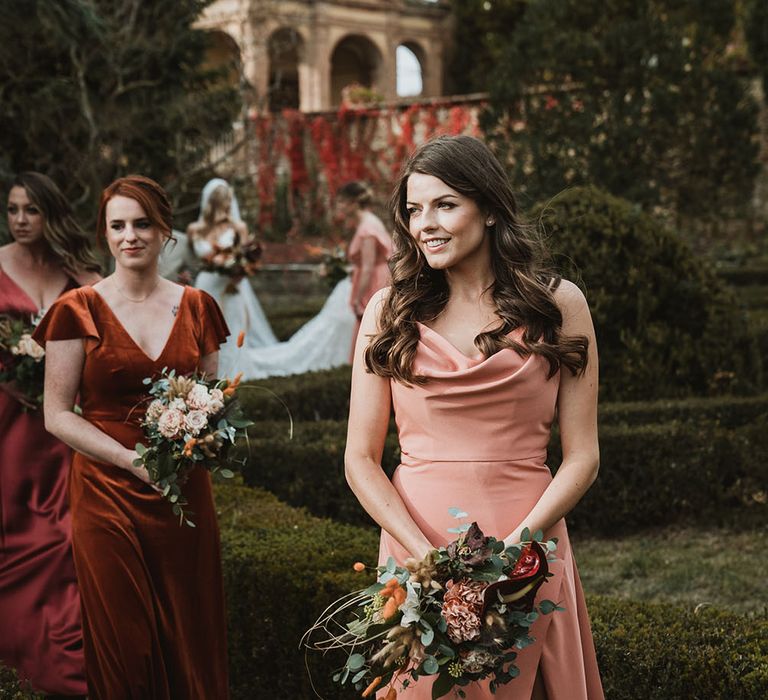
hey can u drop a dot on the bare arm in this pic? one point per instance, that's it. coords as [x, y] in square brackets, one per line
[209, 365]
[367, 263]
[63, 369]
[577, 417]
[369, 411]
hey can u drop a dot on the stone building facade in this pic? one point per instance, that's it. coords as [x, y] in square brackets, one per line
[302, 53]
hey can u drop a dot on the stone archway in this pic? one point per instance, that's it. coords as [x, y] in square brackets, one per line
[285, 50]
[411, 69]
[355, 59]
[223, 54]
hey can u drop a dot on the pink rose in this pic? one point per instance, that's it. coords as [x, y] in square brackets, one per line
[198, 397]
[195, 421]
[170, 423]
[217, 402]
[155, 410]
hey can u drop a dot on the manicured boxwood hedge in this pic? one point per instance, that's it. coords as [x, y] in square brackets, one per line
[282, 567]
[320, 395]
[651, 475]
[325, 396]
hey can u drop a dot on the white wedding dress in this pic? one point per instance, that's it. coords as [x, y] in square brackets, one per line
[241, 310]
[325, 341]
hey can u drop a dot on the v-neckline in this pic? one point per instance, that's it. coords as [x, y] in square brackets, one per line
[131, 338]
[478, 358]
[37, 308]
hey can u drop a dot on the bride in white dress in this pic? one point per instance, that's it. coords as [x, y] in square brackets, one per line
[220, 225]
[321, 343]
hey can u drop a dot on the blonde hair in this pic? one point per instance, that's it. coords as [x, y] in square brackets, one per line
[217, 202]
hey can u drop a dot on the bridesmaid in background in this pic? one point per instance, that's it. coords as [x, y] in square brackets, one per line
[477, 348]
[39, 604]
[370, 247]
[151, 589]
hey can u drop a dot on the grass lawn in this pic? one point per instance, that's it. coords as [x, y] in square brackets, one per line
[723, 568]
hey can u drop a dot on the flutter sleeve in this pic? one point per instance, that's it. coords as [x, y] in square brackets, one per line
[213, 327]
[69, 318]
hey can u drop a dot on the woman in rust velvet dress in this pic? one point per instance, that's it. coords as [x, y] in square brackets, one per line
[478, 350]
[152, 592]
[40, 633]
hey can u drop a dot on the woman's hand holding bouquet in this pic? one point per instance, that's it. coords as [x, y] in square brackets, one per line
[461, 615]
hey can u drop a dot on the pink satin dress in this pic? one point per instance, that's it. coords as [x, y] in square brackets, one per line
[40, 626]
[475, 437]
[370, 226]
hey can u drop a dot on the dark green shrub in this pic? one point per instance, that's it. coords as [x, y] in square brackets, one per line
[671, 652]
[666, 326]
[309, 470]
[681, 471]
[727, 412]
[283, 567]
[657, 475]
[11, 689]
[320, 395]
[638, 97]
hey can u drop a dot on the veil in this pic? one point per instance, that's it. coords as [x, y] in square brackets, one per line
[210, 186]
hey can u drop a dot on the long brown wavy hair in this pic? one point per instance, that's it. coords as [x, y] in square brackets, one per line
[64, 236]
[522, 289]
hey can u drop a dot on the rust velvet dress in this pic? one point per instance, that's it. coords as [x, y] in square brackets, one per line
[40, 633]
[151, 589]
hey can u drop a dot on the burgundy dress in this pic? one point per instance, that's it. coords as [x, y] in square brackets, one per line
[152, 591]
[40, 633]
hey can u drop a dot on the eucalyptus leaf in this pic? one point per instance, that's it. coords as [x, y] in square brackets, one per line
[227, 473]
[359, 675]
[458, 513]
[430, 666]
[525, 535]
[355, 662]
[446, 651]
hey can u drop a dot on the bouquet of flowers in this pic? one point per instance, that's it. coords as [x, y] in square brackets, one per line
[230, 257]
[457, 615]
[333, 262]
[190, 422]
[21, 358]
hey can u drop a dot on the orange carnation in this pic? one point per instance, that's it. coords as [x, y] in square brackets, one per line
[358, 566]
[390, 608]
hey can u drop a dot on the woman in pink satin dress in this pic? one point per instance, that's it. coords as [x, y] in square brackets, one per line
[369, 249]
[477, 349]
[40, 628]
